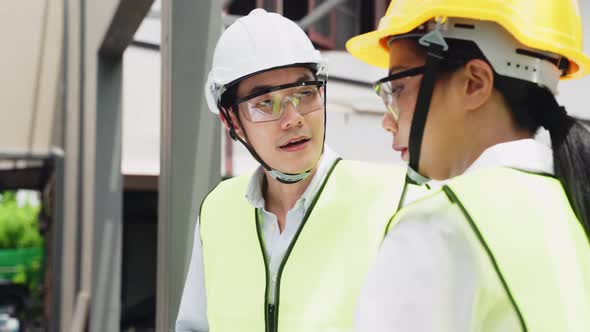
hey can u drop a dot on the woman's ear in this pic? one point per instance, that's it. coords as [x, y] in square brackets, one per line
[479, 84]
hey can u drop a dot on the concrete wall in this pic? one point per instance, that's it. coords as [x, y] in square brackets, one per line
[32, 35]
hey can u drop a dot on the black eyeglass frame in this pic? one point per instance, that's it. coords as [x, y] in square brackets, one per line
[317, 83]
[399, 75]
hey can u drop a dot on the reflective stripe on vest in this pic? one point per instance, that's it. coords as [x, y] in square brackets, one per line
[322, 270]
[537, 246]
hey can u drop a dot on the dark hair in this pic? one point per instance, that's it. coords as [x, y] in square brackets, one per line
[533, 107]
[228, 97]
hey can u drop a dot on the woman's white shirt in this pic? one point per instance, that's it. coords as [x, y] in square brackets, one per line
[426, 276]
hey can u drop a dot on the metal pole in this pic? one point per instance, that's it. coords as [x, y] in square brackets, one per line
[67, 276]
[379, 11]
[319, 12]
[190, 150]
[108, 199]
[80, 317]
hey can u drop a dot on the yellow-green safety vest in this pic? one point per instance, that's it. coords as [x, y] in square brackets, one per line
[323, 268]
[525, 230]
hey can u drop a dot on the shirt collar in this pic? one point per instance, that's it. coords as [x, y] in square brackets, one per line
[525, 154]
[254, 190]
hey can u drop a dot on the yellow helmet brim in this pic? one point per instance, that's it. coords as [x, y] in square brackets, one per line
[561, 35]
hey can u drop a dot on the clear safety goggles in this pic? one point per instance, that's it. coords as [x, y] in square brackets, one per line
[270, 104]
[390, 88]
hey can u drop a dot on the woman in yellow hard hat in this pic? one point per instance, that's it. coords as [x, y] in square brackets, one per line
[502, 243]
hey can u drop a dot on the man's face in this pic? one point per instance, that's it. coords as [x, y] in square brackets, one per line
[293, 142]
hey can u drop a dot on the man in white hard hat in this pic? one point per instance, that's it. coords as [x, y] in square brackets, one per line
[287, 247]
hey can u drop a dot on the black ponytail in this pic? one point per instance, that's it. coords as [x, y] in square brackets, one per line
[571, 160]
[570, 141]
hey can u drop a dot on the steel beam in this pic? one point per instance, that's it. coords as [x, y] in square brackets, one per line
[190, 150]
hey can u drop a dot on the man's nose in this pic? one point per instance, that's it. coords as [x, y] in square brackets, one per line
[291, 116]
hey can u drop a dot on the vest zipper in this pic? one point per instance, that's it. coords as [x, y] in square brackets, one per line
[271, 311]
[271, 326]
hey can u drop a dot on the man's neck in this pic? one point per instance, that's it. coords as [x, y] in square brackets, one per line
[281, 197]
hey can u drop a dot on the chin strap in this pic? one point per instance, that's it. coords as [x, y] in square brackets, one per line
[288, 178]
[435, 53]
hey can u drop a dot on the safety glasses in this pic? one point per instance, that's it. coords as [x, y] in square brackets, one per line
[390, 88]
[270, 104]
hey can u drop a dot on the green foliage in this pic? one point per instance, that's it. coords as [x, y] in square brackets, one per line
[18, 224]
[21, 245]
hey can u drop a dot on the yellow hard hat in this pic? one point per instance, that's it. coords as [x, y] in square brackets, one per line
[553, 26]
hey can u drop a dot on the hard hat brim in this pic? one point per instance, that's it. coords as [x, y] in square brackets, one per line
[372, 48]
[369, 48]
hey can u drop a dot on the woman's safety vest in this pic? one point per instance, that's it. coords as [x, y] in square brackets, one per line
[323, 268]
[529, 242]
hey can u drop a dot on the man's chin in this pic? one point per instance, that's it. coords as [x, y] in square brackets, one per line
[299, 164]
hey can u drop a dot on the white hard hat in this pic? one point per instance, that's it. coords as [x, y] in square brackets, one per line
[254, 43]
